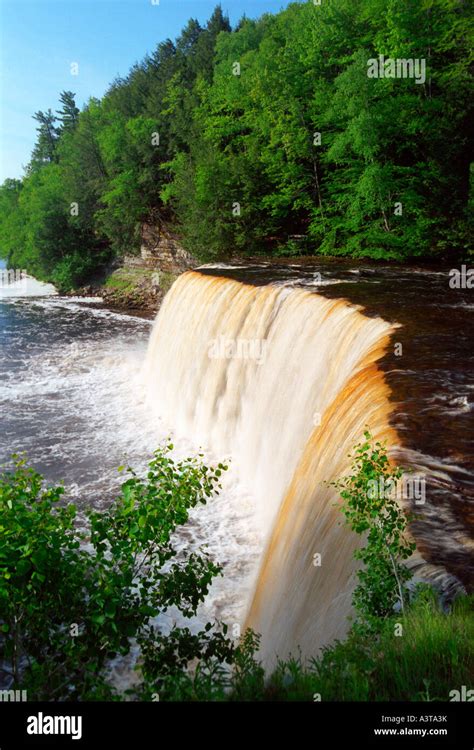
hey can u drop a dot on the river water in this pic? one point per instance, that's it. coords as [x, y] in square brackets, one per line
[73, 398]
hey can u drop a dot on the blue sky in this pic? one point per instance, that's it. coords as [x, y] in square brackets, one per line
[39, 39]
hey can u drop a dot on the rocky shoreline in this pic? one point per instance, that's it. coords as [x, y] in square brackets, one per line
[135, 291]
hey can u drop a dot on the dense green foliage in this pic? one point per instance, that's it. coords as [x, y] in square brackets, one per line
[71, 600]
[270, 137]
[371, 507]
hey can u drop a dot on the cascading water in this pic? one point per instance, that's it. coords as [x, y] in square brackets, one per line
[284, 381]
[249, 371]
[303, 593]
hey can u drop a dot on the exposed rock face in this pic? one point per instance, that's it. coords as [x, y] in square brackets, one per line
[161, 250]
[140, 282]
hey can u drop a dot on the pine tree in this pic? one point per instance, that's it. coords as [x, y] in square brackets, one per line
[45, 148]
[69, 114]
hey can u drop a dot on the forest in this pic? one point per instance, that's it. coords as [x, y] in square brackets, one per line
[336, 129]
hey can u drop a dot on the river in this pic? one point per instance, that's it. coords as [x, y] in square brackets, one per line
[74, 398]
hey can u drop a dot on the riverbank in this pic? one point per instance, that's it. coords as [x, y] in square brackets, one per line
[134, 290]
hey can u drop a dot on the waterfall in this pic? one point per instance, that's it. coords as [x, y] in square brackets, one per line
[284, 381]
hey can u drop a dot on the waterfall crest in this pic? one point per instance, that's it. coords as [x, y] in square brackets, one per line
[284, 381]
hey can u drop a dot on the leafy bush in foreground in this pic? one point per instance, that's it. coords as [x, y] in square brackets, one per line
[371, 507]
[71, 600]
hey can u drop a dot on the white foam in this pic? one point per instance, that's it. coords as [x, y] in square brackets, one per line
[27, 286]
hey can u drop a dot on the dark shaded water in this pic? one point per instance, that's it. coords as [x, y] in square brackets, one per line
[431, 379]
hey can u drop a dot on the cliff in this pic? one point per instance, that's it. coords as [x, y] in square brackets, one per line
[139, 282]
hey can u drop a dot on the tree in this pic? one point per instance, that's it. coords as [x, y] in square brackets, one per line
[67, 609]
[371, 508]
[69, 114]
[12, 228]
[45, 147]
[206, 43]
[131, 154]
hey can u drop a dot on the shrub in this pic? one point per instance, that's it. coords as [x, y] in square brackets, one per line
[377, 515]
[71, 599]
